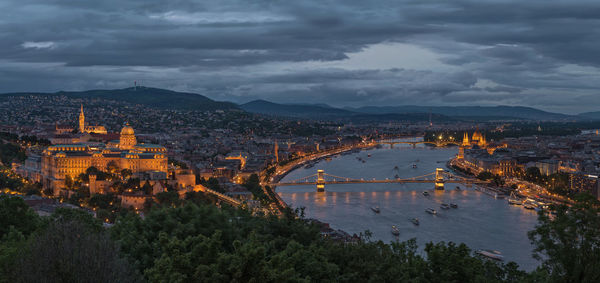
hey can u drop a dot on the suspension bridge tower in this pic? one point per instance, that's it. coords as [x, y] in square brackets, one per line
[439, 178]
[320, 181]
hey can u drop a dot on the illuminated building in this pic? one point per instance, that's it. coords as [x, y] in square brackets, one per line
[60, 161]
[89, 129]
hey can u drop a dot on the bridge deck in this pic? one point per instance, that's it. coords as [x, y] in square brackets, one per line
[391, 181]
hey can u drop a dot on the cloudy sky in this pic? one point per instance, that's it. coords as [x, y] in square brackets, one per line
[544, 54]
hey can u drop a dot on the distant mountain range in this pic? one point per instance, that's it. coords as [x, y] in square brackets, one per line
[295, 110]
[154, 97]
[590, 115]
[162, 98]
[519, 112]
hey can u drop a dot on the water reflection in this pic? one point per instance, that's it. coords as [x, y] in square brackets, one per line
[480, 221]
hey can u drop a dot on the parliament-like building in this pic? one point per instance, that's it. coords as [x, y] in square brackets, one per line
[61, 160]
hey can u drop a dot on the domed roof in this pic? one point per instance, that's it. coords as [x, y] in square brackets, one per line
[127, 130]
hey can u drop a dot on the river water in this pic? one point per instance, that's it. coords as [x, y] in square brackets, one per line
[480, 221]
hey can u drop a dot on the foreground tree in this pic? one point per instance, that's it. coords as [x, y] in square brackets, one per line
[71, 249]
[569, 243]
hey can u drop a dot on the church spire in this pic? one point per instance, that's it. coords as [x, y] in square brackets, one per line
[81, 120]
[465, 141]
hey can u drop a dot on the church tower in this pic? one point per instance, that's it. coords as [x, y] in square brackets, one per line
[465, 141]
[276, 150]
[81, 120]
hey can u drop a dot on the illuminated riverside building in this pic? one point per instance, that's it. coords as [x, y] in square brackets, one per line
[61, 160]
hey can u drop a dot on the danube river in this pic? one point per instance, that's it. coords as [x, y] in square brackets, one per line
[480, 221]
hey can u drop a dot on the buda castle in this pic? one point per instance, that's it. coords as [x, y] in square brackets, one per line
[73, 158]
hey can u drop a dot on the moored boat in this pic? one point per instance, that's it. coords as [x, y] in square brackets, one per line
[444, 206]
[431, 211]
[457, 188]
[513, 199]
[415, 221]
[495, 255]
[395, 230]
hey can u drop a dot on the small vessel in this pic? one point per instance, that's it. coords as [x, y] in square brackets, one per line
[415, 221]
[513, 199]
[376, 209]
[445, 206]
[454, 205]
[426, 193]
[369, 155]
[395, 230]
[414, 165]
[396, 176]
[457, 188]
[431, 211]
[495, 255]
[529, 205]
[396, 167]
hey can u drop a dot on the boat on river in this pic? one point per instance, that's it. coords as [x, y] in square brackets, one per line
[457, 188]
[495, 255]
[426, 193]
[414, 165]
[376, 209]
[528, 204]
[513, 199]
[431, 211]
[415, 221]
[395, 230]
[444, 206]
[454, 205]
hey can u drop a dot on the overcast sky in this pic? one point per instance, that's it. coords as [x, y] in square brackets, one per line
[544, 54]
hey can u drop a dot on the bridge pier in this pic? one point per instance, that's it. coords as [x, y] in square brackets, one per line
[439, 179]
[320, 181]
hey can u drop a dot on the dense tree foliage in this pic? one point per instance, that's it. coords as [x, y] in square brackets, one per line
[569, 243]
[206, 244]
[198, 242]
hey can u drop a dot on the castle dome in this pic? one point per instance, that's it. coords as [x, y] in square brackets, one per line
[127, 130]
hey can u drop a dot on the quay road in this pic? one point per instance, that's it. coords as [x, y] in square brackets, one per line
[525, 188]
[281, 171]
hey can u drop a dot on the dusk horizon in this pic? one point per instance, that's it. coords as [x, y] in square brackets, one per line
[300, 141]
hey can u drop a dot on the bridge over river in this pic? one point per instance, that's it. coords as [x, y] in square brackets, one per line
[439, 177]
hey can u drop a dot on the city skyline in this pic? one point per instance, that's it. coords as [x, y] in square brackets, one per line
[534, 54]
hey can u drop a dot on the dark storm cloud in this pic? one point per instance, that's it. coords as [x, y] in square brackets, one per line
[494, 52]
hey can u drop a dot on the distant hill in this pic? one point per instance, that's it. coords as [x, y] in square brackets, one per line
[590, 115]
[154, 97]
[468, 111]
[295, 110]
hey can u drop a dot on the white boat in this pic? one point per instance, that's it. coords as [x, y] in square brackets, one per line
[513, 199]
[431, 211]
[395, 230]
[444, 206]
[495, 255]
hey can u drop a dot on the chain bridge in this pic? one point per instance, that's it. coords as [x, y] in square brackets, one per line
[414, 143]
[438, 178]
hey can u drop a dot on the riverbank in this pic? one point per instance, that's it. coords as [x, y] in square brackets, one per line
[480, 221]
